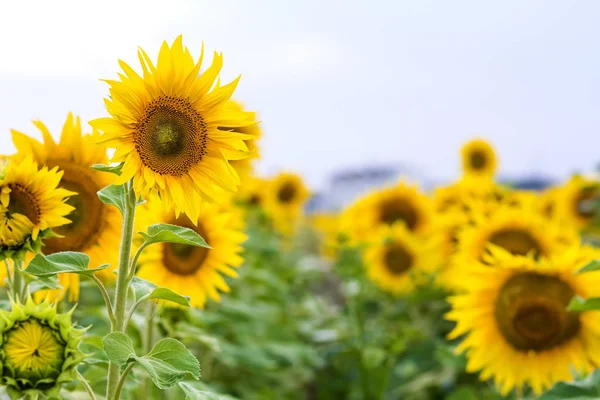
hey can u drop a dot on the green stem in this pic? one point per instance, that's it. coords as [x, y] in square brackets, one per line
[359, 320]
[123, 280]
[147, 384]
[107, 302]
[86, 385]
[122, 380]
[8, 274]
[18, 287]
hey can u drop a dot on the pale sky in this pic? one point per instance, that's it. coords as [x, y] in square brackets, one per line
[338, 83]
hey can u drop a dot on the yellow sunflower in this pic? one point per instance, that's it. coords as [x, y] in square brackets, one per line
[189, 270]
[245, 166]
[547, 202]
[284, 201]
[576, 202]
[398, 261]
[253, 192]
[31, 203]
[478, 159]
[327, 227]
[517, 330]
[400, 203]
[518, 231]
[165, 126]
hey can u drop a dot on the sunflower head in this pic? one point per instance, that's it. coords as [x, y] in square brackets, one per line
[516, 326]
[190, 270]
[478, 159]
[31, 204]
[166, 125]
[39, 349]
[327, 227]
[399, 260]
[577, 202]
[284, 201]
[253, 192]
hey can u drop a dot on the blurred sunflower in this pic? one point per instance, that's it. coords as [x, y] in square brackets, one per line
[518, 231]
[398, 260]
[327, 227]
[245, 166]
[576, 204]
[401, 203]
[252, 192]
[515, 322]
[478, 159]
[547, 202]
[190, 270]
[31, 203]
[95, 226]
[284, 201]
[165, 128]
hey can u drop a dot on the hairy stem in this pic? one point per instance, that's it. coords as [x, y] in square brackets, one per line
[86, 385]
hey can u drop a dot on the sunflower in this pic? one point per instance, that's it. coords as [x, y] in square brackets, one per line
[284, 201]
[398, 261]
[252, 192]
[39, 349]
[576, 203]
[165, 126]
[190, 270]
[478, 159]
[518, 231]
[515, 323]
[547, 202]
[245, 166]
[30, 205]
[95, 226]
[327, 227]
[400, 203]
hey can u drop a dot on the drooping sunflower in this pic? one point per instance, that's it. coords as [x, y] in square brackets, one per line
[38, 349]
[399, 260]
[400, 203]
[31, 203]
[95, 226]
[284, 201]
[165, 126]
[576, 202]
[189, 270]
[245, 166]
[478, 159]
[517, 330]
[518, 231]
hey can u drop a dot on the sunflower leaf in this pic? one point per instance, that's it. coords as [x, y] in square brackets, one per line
[169, 362]
[43, 282]
[113, 195]
[62, 262]
[113, 169]
[173, 234]
[593, 265]
[580, 304]
[587, 389]
[167, 294]
[191, 393]
[119, 348]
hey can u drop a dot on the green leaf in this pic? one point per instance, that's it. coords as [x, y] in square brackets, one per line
[173, 234]
[62, 262]
[168, 294]
[170, 362]
[587, 389]
[580, 304]
[141, 287]
[43, 283]
[113, 195]
[113, 169]
[119, 348]
[192, 393]
[593, 265]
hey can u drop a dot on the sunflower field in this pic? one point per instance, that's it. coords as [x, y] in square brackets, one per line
[145, 258]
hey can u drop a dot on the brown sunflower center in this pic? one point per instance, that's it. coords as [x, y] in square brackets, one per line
[398, 260]
[87, 219]
[517, 242]
[171, 137]
[398, 210]
[585, 203]
[254, 200]
[287, 193]
[478, 159]
[531, 312]
[183, 259]
[22, 201]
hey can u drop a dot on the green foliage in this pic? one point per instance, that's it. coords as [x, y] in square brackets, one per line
[586, 389]
[62, 262]
[173, 234]
[113, 195]
[113, 169]
[580, 304]
[119, 348]
[591, 266]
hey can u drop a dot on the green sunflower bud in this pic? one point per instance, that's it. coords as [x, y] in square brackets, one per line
[38, 349]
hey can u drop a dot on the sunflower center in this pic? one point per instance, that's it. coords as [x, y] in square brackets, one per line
[585, 203]
[397, 259]
[254, 200]
[531, 312]
[183, 259]
[171, 137]
[517, 242]
[286, 193]
[87, 219]
[478, 159]
[398, 210]
[22, 201]
[34, 350]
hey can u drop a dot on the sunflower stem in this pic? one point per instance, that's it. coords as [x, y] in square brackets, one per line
[122, 379]
[18, 282]
[148, 342]
[8, 274]
[86, 385]
[120, 304]
[109, 307]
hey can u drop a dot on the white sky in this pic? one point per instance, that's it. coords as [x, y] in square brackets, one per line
[338, 83]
